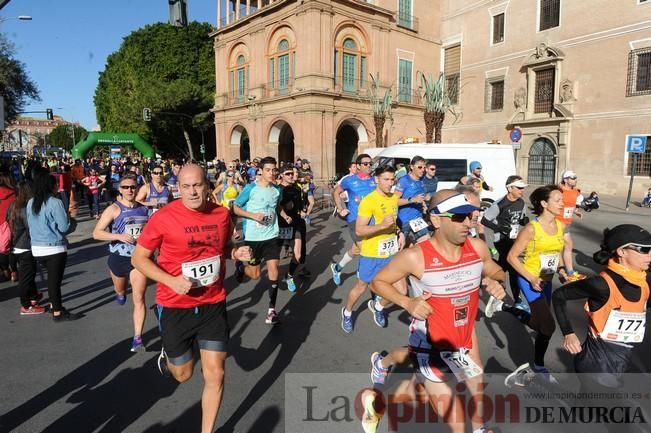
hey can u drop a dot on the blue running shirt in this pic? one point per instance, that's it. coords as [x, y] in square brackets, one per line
[357, 189]
[257, 199]
[410, 188]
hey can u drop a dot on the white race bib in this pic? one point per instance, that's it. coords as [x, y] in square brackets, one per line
[461, 365]
[568, 212]
[285, 233]
[387, 247]
[549, 263]
[417, 225]
[624, 327]
[133, 229]
[267, 220]
[202, 272]
[515, 229]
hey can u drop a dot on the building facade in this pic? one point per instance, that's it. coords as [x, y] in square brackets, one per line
[573, 76]
[293, 76]
[24, 133]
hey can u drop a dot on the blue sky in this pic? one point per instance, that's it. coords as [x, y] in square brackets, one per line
[67, 43]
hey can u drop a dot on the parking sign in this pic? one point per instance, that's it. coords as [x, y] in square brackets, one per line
[636, 143]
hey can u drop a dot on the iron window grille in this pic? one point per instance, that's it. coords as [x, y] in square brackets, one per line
[639, 72]
[494, 99]
[550, 14]
[544, 93]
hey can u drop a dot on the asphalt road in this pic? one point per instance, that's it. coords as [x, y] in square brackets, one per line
[81, 377]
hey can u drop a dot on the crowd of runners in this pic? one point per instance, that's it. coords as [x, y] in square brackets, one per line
[429, 251]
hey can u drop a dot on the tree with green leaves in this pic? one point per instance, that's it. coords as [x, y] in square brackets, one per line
[15, 85]
[63, 135]
[438, 102]
[170, 70]
[380, 107]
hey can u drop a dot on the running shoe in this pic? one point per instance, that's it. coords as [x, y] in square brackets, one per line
[121, 299]
[162, 363]
[32, 310]
[378, 316]
[272, 317]
[493, 305]
[521, 377]
[291, 285]
[308, 220]
[239, 271]
[37, 298]
[544, 374]
[136, 344]
[14, 276]
[378, 373]
[523, 305]
[576, 276]
[65, 316]
[336, 273]
[347, 323]
[370, 418]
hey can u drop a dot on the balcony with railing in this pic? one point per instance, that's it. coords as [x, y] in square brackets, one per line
[351, 87]
[409, 96]
[281, 87]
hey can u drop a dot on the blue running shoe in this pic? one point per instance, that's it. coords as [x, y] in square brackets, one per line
[336, 273]
[291, 285]
[346, 322]
[378, 373]
[121, 299]
[378, 316]
[136, 344]
[523, 305]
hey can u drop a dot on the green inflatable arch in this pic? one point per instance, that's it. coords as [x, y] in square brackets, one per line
[108, 138]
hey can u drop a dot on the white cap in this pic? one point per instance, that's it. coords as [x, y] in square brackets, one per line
[518, 184]
[568, 173]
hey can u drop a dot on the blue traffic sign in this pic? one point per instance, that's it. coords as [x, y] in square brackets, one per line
[636, 143]
[515, 135]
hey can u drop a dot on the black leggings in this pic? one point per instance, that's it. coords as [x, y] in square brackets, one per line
[503, 247]
[26, 278]
[55, 265]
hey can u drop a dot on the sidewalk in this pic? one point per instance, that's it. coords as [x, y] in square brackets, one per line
[616, 205]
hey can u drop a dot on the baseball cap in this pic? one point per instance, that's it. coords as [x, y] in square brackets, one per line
[518, 184]
[568, 173]
[456, 204]
[626, 234]
[475, 165]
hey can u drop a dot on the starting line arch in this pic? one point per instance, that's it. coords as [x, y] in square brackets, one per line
[112, 138]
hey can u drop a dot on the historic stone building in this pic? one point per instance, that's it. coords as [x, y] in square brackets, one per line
[293, 76]
[574, 76]
[24, 133]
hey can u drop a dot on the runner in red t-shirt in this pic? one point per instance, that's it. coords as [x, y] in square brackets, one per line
[192, 236]
[570, 193]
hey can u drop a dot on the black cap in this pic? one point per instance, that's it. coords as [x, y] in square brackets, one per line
[626, 234]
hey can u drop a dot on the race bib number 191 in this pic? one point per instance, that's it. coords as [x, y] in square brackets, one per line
[202, 272]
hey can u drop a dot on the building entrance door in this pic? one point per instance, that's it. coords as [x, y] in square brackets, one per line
[345, 149]
[245, 149]
[542, 162]
[286, 144]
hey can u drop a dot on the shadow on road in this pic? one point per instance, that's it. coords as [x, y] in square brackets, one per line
[134, 391]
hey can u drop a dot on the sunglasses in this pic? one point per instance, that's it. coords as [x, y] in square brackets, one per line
[432, 169]
[289, 173]
[572, 177]
[365, 163]
[639, 249]
[420, 167]
[157, 172]
[458, 217]
[131, 187]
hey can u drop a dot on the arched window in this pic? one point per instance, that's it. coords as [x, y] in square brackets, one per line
[238, 77]
[282, 68]
[352, 74]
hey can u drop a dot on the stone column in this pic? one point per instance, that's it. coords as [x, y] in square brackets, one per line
[219, 14]
[228, 14]
[248, 7]
[237, 10]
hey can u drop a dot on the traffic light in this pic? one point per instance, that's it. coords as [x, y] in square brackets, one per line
[49, 114]
[146, 114]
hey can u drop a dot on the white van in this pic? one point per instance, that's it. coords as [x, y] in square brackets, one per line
[452, 160]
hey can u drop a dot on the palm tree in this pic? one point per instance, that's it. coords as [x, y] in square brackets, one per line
[381, 108]
[438, 101]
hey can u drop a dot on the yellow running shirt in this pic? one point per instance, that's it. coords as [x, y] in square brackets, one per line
[229, 194]
[543, 253]
[377, 207]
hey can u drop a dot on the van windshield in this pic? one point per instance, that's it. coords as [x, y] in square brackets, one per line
[447, 170]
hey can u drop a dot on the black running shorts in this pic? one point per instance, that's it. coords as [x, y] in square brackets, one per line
[181, 327]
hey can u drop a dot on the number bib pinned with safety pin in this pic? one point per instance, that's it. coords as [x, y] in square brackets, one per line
[549, 263]
[202, 272]
[133, 229]
[461, 364]
[387, 247]
[624, 327]
[417, 224]
[285, 232]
